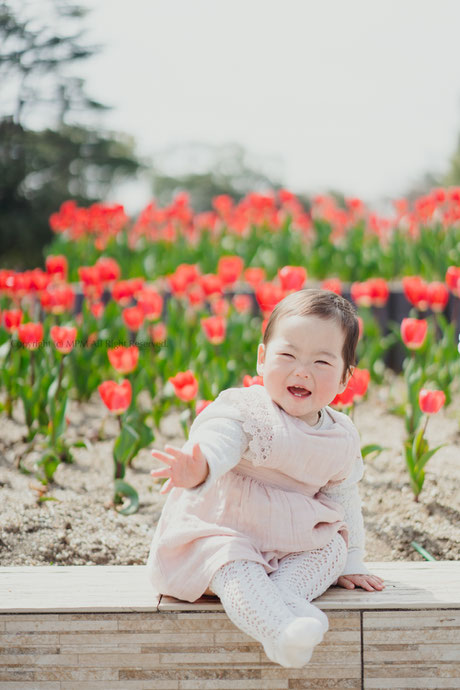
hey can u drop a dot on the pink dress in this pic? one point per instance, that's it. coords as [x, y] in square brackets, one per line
[267, 506]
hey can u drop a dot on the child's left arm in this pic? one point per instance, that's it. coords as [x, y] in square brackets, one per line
[355, 573]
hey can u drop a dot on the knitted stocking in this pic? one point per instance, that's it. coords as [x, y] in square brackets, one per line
[304, 576]
[254, 604]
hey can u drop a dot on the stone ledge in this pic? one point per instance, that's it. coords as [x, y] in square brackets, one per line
[102, 627]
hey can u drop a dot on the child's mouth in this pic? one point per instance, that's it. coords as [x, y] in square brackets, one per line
[299, 391]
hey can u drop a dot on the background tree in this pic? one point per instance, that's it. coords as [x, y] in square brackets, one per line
[46, 156]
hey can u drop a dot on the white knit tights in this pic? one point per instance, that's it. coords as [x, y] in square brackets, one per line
[274, 609]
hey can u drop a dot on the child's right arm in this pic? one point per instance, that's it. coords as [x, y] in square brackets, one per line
[211, 451]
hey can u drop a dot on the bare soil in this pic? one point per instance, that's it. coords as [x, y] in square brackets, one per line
[80, 525]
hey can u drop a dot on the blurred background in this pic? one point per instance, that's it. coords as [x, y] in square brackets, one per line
[115, 101]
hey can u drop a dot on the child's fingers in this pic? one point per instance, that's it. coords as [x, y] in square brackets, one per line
[163, 457]
[163, 472]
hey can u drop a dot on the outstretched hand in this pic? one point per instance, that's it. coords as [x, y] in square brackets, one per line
[184, 469]
[369, 582]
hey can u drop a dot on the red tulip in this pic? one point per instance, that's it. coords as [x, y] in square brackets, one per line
[252, 381]
[254, 276]
[431, 401]
[344, 399]
[116, 397]
[214, 328]
[125, 290]
[185, 385]
[109, 270]
[151, 303]
[11, 319]
[30, 334]
[58, 299]
[97, 309]
[416, 291]
[413, 332]
[379, 291]
[332, 284]
[358, 382]
[201, 405]
[242, 303]
[453, 280]
[268, 296]
[229, 269]
[292, 277]
[158, 333]
[211, 284]
[64, 338]
[360, 294]
[133, 317]
[438, 295]
[196, 296]
[123, 359]
[57, 266]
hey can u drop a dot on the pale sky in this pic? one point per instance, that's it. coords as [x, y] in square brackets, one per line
[362, 96]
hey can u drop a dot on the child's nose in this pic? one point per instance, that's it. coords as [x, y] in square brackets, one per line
[303, 370]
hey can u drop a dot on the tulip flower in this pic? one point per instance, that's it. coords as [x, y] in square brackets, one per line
[379, 291]
[58, 299]
[201, 405]
[268, 295]
[242, 303]
[254, 276]
[30, 334]
[116, 397]
[416, 292]
[63, 338]
[220, 306]
[211, 284]
[229, 269]
[453, 280]
[292, 277]
[97, 309]
[332, 284]
[413, 332]
[123, 359]
[431, 401]
[158, 333]
[438, 296]
[196, 296]
[109, 269]
[185, 385]
[11, 319]
[57, 267]
[252, 381]
[151, 303]
[133, 317]
[214, 328]
[359, 382]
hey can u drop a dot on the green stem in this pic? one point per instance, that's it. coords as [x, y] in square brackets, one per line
[61, 373]
[32, 368]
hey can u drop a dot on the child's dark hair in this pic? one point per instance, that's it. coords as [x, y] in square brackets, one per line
[326, 305]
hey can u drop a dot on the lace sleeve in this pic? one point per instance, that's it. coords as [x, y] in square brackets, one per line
[347, 494]
[257, 421]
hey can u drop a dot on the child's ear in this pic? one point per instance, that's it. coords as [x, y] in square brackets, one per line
[260, 359]
[344, 382]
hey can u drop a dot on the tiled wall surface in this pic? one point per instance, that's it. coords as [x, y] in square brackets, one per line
[204, 650]
[163, 651]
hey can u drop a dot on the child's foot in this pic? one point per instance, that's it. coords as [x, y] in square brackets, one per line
[295, 644]
[303, 608]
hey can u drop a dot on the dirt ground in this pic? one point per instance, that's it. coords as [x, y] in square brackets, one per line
[81, 526]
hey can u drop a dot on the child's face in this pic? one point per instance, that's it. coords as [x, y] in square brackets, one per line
[304, 356]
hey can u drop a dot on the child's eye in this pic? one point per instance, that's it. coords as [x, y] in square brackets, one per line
[287, 354]
[321, 361]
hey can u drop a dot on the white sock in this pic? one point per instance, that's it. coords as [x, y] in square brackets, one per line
[255, 605]
[304, 576]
